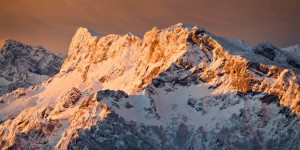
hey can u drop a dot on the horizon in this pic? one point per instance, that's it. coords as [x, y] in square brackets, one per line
[52, 24]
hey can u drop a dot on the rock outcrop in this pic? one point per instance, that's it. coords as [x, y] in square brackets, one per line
[176, 88]
[23, 65]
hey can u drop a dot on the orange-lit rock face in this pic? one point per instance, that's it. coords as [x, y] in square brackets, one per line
[181, 77]
[246, 76]
[2, 43]
[136, 61]
[125, 55]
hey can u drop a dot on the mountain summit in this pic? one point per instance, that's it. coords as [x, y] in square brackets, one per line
[23, 65]
[176, 88]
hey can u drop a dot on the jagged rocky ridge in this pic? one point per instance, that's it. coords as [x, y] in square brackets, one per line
[23, 65]
[177, 88]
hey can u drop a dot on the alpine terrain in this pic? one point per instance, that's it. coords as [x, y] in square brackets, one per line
[23, 65]
[175, 88]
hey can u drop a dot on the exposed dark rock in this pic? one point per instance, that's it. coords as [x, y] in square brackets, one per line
[266, 49]
[19, 62]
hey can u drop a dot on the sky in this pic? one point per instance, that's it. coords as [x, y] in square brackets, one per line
[52, 23]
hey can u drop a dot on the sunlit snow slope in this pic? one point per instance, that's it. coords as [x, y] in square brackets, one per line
[176, 88]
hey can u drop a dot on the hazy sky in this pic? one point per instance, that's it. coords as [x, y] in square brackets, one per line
[52, 23]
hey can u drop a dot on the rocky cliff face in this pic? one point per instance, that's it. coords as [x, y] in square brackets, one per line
[23, 65]
[176, 88]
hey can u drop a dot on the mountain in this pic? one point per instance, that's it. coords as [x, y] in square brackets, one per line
[176, 88]
[293, 51]
[23, 65]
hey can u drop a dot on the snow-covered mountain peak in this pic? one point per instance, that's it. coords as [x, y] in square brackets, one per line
[85, 31]
[15, 46]
[131, 62]
[293, 50]
[10, 42]
[128, 58]
[267, 50]
[176, 88]
[24, 65]
[266, 45]
[294, 46]
[183, 25]
[297, 46]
